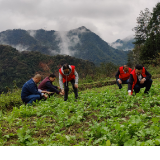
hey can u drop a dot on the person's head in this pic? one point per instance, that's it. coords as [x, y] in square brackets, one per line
[66, 68]
[138, 69]
[37, 78]
[52, 77]
[125, 68]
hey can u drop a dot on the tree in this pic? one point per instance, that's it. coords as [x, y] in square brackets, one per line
[141, 30]
[151, 46]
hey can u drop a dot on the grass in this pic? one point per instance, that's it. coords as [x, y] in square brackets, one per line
[101, 116]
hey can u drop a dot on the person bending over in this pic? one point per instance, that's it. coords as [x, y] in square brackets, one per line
[122, 76]
[47, 85]
[67, 73]
[30, 91]
[139, 78]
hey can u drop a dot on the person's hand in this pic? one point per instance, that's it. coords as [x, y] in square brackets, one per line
[76, 85]
[45, 96]
[142, 81]
[120, 82]
[129, 93]
[61, 93]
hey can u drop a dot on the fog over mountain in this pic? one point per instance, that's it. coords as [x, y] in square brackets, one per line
[124, 44]
[80, 43]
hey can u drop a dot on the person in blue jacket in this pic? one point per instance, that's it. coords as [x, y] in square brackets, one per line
[30, 92]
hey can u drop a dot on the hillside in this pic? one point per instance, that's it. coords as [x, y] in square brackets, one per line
[21, 66]
[125, 44]
[80, 43]
[101, 117]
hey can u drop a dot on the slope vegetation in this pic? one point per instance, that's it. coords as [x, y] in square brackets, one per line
[20, 66]
[104, 116]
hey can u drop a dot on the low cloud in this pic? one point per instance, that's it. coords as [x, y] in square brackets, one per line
[4, 41]
[20, 47]
[69, 40]
[111, 20]
[131, 37]
[116, 45]
[32, 33]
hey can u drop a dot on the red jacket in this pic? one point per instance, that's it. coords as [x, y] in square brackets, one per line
[135, 77]
[124, 76]
[68, 77]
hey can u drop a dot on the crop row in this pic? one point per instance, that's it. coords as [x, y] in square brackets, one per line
[101, 116]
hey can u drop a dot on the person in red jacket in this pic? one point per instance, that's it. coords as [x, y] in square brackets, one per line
[139, 78]
[122, 76]
[67, 73]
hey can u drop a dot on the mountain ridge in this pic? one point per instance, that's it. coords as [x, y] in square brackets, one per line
[79, 43]
[124, 44]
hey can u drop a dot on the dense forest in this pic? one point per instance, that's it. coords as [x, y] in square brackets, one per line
[147, 38]
[17, 67]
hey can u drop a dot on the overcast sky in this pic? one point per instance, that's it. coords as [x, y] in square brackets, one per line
[110, 19]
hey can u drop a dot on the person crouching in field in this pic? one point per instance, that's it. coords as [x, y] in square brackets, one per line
[122, 76]
[47, 85]
[67, 73]
[139, 78]
[30, 91]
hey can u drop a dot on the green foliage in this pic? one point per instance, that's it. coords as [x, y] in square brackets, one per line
[14, 64]
[8, 100]
[106, 116]
[147, 36]
[16, 68]
[25, 137]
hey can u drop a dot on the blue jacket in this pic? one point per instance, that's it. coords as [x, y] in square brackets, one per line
[29, 88]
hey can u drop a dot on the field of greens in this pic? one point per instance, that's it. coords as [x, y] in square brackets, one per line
[103, 116]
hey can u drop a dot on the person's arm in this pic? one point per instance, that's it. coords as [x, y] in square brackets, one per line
[76, 77]
[51, 87]
[42, 92]
[148, 75]
[61, 81]
[117, 75]
[55, 86]
[130, 83]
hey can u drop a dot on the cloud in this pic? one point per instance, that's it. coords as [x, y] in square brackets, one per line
[68, 40]
[115, 45]
[109, 19]
[4, 41]
[20, 47]
[32, 33]
[131, 37]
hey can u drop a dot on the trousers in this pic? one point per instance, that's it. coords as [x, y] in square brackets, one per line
[123, 82]
[32, 98]
[66, 89]
[146, 84]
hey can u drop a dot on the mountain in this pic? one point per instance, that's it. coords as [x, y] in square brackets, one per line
[79, 43]
[125, 44]
[21, 66]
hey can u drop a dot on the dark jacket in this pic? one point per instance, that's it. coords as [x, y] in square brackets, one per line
[29, 88]
[46, 84]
